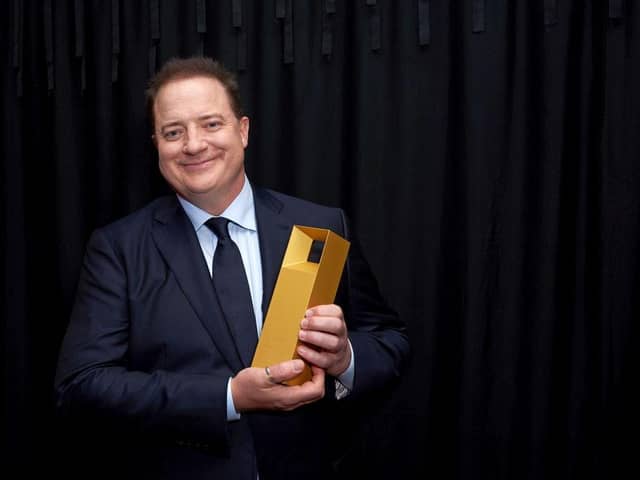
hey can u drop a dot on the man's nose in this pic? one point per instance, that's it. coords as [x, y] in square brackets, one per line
[194, 143]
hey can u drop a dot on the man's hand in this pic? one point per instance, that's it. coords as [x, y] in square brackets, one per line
[325, 339]
[253, 389]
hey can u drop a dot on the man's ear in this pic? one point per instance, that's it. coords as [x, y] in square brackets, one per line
[244, 131]
[154, 139]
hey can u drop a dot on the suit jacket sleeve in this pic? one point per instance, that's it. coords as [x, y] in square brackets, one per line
[377, 334]
[95, 377]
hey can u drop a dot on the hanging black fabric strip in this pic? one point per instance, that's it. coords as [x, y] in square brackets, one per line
[479, 19]
[424, 22]
[616, 8]
[280, 9]
[48, 42]
[201, 23]
[115, 39]
[326, 45]
[241, 34]
[287, 31]
[79, 26]
[375, 26]
[550, 12]
[242, 49]
[370, 2]
[154, 19]
[236, 13]
[327, 36]
[327, 39]
[201, 16]
[154, 13]
[78, 10]
[17, 33]
[152, 60]
[115, 27]
[19, 81]
[17, 43]
[83, 74]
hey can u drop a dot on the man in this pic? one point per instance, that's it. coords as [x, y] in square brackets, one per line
[152, 355]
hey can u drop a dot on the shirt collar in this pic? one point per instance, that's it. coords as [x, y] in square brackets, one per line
[241, 211]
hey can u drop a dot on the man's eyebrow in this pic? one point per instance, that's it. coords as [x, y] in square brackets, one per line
[169, 124]
[206, 116]
[211, 115]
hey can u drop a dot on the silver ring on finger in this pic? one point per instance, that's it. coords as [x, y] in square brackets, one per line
[268, 373]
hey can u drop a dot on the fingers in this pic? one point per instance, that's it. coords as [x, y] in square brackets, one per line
[330, 310]
[324, 328]
[284, 371]
[315, 357]
[325, 318]
[286, 398]
[261, 388]
[335, 363]
[324, 339]
[298, 395]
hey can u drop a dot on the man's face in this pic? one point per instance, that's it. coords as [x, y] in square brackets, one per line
[200, 142]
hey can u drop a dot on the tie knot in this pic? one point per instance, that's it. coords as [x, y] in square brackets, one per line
[219, 226]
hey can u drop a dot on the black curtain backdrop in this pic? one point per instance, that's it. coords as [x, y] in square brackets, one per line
[487, 152]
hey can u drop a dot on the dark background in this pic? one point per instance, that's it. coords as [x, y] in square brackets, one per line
[487, 152]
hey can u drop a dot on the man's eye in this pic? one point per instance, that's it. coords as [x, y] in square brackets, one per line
[214, 125]
[171, 134]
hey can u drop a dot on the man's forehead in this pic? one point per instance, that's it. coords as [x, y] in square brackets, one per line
[177, 93]
[196, 85]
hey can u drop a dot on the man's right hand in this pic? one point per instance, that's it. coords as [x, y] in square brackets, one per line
[253, 389]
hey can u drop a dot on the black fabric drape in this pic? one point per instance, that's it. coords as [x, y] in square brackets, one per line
[486, 151]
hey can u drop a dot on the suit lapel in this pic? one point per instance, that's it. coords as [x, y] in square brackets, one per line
[176, 239]
[274, 231]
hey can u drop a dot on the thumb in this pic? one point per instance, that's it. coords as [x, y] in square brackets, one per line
[281, 372]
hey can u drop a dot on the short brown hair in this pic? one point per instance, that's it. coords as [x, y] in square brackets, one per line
[182, 68]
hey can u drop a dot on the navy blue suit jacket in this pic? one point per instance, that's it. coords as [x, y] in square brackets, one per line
[147, 355]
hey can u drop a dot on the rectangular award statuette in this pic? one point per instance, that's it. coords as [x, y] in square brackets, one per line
[301, 284]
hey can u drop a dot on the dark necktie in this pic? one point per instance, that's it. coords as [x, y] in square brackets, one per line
[232, 289]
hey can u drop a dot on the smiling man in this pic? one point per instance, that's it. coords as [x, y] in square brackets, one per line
[200, 141]
[170, 304]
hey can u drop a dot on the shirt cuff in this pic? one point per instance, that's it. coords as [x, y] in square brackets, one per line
[344, 383]
[231, 409]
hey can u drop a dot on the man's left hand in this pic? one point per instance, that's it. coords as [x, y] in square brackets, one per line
[325, 340]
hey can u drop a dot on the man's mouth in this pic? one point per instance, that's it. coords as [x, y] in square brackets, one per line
[196, 163]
